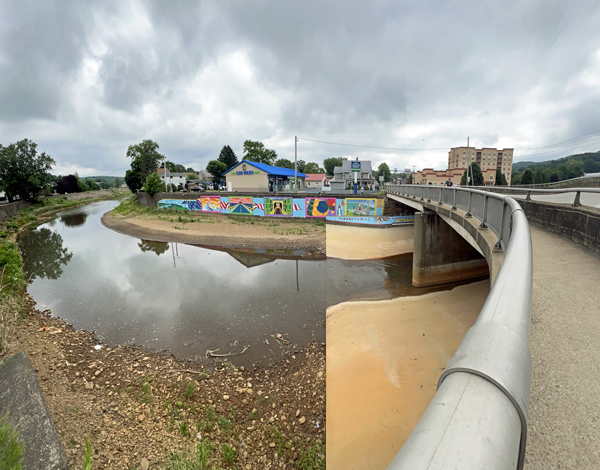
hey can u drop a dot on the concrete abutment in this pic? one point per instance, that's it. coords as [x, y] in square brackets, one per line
[441, 255]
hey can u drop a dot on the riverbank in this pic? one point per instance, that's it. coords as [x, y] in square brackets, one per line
[213, 229]
[384, 359]
[139, 408]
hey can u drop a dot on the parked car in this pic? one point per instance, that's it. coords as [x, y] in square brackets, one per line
[199, 189]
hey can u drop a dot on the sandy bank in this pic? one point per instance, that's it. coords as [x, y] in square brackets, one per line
[383, 362]
[208, 229]
[355, 243]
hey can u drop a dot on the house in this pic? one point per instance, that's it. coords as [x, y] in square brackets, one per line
[343, 176]
[315, 180]
[171, 178]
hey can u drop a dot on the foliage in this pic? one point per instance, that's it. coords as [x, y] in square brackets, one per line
[284, 163]
[149, 158]
[133, 177]
[500, 179]
[216, 168]
[156, 247]
[153, 185]
[11, 447]
[539, 176]
[175, 167]
[190, 386]
[527, 177]
[384, 170]
[475, 172]
[256, 152]
[11, 265]
[186, 460]
[91, 185]
[331, 163]
[88, 460]
[67, 184]
[312, 458]
[228, 453]
[572, 166]
[301, 164]
[228, 157]
[312, 168]
[23, 171]
[9, 316]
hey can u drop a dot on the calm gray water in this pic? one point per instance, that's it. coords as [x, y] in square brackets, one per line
[190, 299]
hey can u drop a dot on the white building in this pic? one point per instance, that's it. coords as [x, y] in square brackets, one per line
[172, 178]
[343, 175]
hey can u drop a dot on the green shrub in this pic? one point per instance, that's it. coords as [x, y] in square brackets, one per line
[11, 448]
[228, 453]
[189, 389]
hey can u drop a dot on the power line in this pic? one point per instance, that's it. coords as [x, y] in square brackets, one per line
[560, 149]
[564, 141]
[369, 146]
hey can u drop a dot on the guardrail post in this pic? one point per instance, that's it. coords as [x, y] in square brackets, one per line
[576, 202]
[485, 206]
[421, 188]
[498, 245]
[528, 197]
[454, 200]
[441, 192]
[428, 194]
[468, 214]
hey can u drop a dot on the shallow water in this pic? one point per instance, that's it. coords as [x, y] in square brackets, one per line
[190, 299]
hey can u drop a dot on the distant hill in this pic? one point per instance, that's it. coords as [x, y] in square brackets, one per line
[560, 169]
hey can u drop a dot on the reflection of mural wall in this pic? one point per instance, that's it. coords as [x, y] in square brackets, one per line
[320, 207]
[369, 211]
[360, 207]
[281, 206]
[240, 205]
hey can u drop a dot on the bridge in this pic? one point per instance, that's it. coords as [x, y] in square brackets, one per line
[487, 412]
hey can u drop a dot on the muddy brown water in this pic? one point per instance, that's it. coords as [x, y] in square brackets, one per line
[190, 299]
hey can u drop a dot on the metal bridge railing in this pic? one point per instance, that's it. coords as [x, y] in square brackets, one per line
[478, 416]
[529, 191]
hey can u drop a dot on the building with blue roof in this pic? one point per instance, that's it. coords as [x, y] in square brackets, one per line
[260, 177]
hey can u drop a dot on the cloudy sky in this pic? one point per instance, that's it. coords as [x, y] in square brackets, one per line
[87, 79]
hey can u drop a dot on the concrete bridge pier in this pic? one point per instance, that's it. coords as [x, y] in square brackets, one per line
[441, 255]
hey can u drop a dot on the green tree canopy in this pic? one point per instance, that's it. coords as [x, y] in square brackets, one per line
[312, 167]
[228, 157]
[67, 184]
[500, 178]
[284, 163]
[301, 164]
[539, 176]
[133, 177]
[331, 163]
[216, 168]
[150, 159]
[527, 177]
[23, 171]
[117, 182]
[256, 152]
[153, 184]
[475, 171]
[384, 170]
[44, 254]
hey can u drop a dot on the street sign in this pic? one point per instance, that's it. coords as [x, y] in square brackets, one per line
[407, 170]
[382, 178]
[355, 166]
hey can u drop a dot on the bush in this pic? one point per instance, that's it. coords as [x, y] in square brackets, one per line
[153, 185]
[11, 448]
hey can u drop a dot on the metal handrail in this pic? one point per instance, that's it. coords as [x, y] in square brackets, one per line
[529, 191]
[478, 416]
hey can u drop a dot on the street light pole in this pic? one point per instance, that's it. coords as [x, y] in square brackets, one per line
[296, 163]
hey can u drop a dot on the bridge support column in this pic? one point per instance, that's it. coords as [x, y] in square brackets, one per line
[441, 255]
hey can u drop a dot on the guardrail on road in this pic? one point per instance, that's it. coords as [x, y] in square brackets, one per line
[478, 416]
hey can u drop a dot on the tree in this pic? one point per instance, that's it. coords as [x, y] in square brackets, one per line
[575, 169]
[91, 185]
[156, 247]
[539, 176]
[153, 184]
[331, 163]
[475, 172]
[284, 163]
[227, 157]
[216, 168]
[500, 178]
[527, 177]
[384, 170]
[44, 254]
[147, 152]
[133, 177]
[67, 184]
[312, 167]
[117, 182]
[256, 152]
[23, 171]
[554, 178]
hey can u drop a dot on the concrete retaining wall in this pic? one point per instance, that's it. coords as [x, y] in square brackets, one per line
[10, 209]
[579, 224]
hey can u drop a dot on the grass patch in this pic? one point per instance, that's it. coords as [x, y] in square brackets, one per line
[312, 458]
[11, 448]
[189, 389]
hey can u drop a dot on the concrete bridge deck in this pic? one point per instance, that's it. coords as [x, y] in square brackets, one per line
[564, 412]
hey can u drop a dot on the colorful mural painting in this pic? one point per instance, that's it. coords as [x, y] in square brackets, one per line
[360, 207]
[319, 207]
[211, 204]
[240, 205]
[348, 210]
[279, 206]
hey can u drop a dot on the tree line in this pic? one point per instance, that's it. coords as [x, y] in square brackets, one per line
[572, 166]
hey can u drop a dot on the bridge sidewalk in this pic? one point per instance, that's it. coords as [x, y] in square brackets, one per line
[564, 418]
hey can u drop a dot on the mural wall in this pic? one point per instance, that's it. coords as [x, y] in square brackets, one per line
[368, 211]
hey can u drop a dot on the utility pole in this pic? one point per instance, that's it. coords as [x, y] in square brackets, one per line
[296, 163]
[469, 179]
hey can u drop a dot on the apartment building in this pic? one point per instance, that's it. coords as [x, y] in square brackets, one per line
[488, 159]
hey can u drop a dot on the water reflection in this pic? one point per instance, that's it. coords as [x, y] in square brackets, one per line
[74, 219]
[156, 247]
[44, 254]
